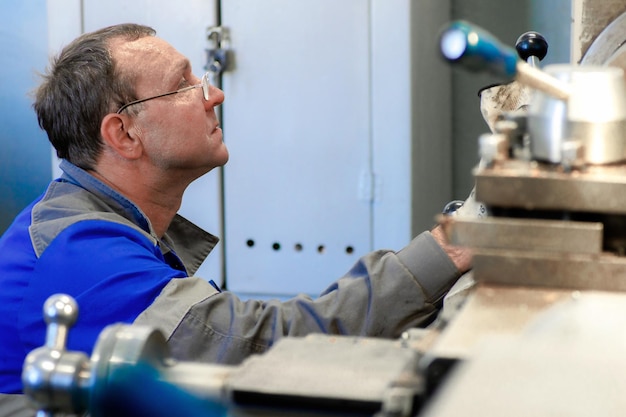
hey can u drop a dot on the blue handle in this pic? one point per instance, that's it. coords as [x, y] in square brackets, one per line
[477, 50]
[136, 390]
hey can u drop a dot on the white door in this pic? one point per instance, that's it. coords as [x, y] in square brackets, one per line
[297, 124]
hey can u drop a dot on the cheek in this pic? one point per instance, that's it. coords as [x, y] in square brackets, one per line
[189, 123]
[176, 126]
[189, 118]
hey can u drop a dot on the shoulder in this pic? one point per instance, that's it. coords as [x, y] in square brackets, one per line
[65, 205]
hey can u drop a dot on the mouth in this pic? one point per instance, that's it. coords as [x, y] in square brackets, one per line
[216, 127]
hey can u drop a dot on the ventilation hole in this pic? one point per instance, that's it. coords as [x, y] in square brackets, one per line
[298, 247]
[321, 248]
[349, 250]
[276, 246]
[250, 243]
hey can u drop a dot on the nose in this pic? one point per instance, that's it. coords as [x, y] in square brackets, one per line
[216, 97]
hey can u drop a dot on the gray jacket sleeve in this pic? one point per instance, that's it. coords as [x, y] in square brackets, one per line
[384, 294]
[15, 405]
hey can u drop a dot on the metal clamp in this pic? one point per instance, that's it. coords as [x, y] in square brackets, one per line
[218, 55]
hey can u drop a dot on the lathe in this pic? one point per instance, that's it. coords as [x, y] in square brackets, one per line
[541, 331]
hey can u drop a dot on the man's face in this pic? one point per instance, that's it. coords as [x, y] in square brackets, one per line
[179, 132]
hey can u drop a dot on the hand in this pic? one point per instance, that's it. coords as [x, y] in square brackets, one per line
[460, 256]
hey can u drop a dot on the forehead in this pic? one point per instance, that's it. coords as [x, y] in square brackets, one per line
[148, 55]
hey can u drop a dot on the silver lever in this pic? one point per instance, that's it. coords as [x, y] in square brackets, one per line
[53, 378]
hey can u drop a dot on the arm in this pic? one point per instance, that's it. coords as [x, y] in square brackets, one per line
[384, 294]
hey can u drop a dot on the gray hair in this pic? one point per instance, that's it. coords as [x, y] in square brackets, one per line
[79, 88]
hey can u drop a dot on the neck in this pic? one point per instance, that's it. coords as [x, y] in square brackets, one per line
[158, 200]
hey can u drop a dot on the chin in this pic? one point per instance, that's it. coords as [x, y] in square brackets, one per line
[224, 155]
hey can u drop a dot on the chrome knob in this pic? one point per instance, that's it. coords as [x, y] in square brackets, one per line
[60, 312]
[51, 375]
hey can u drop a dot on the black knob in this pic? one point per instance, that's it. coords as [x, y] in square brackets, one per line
[531, 44]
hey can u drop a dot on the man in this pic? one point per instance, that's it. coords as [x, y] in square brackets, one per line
[134, 127]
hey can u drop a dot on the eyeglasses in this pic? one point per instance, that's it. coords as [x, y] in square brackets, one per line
[205, 84]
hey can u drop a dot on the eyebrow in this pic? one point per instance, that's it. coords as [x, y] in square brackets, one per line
[183, 65]
[180, 67]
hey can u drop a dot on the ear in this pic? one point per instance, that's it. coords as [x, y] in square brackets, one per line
[116, 133]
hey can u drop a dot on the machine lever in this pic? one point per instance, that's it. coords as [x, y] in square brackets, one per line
[53, 377]
[478, 50]
[532, 47]
[60, 313]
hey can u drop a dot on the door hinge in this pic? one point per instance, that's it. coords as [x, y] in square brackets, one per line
[370, 187]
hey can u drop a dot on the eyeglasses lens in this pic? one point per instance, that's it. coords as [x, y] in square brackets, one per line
[205, 85]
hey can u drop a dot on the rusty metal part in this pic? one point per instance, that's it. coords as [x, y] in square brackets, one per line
[607, 43]
[609, 46]
[596, 17]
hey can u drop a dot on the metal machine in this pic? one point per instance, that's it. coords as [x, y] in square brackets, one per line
[541, 332]
[130, 369]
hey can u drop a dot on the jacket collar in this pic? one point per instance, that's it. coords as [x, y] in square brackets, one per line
[191, 243]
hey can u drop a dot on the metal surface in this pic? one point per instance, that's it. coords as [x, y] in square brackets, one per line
[606, 45]
[330, 374]
[493, 310]
[589, 19]
[554, 121]
[537, 186]
[568, 362]
[542, 235]
[565, 270]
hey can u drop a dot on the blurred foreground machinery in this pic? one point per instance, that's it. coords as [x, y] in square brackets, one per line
[130, 373]
[540, 331]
